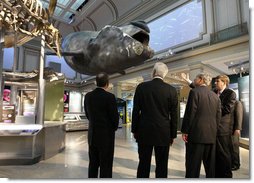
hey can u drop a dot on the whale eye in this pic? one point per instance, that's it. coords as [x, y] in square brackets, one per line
[138, 48]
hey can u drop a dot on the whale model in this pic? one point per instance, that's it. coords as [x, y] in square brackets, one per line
[111, 50]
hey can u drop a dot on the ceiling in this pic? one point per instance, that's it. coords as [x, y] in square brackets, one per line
[92, 15]
[65, 9]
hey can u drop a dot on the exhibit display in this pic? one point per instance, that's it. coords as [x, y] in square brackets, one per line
[28, 142]
[122, 109]
[8, 114]
[111, 50]
[76, 121]
[75, 101]
[66, 101]
[7, 95]
[28, 146]
[244, 97]
[28, 19]
[28, 102]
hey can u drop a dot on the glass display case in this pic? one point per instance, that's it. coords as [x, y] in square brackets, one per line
[76, 121]
[15, 129]
[21, 144]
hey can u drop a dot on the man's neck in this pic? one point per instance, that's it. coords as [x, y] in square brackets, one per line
[159, 77]
[104, 88]
[222, 89]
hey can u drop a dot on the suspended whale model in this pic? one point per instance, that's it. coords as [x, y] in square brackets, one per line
[111, 50]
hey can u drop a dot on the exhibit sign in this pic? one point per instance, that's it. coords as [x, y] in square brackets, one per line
[8, 115]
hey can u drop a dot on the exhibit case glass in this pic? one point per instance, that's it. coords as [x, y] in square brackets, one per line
[76, 121]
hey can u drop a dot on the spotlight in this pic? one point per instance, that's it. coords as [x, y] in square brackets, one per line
[170, 52]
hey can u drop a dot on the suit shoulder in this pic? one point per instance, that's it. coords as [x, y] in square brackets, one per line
[88, 93]
[202, 90]
[170, 87]
[214, 94]
[230, 91]
[111, 95]
[143, 84]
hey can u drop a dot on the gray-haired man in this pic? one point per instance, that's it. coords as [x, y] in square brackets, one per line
[154, 121]
[199, 128]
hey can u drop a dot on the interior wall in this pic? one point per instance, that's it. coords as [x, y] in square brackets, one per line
[244, 8]
[227, 13]
[31, 59]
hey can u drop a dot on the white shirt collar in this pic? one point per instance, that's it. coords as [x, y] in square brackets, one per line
[222, 90]
[158, 77]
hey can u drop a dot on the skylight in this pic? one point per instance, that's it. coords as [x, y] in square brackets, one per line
[77, 4]
[58, 11]
[65, 9]
[63, 2]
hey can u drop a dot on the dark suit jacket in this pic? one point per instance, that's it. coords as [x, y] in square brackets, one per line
[154, 117]
[202, 116]
[101, 111]
[228, 98]
[237, 116]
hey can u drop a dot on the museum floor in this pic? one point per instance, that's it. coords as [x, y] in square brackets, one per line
[73, 161]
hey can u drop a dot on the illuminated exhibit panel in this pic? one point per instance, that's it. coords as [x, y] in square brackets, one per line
[29, 102]
[75, 101]
[26, 106]
[74, 115]
[8, 114]
[66, 101]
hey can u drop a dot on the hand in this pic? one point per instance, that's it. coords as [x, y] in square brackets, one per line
[184, 76]
[171, 141]
[237, 132]
[185, 137]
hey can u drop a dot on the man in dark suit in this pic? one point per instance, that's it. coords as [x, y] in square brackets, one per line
[199, 128]
[236, 130]
[101, 111]
[154, 121]
[224, 141]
